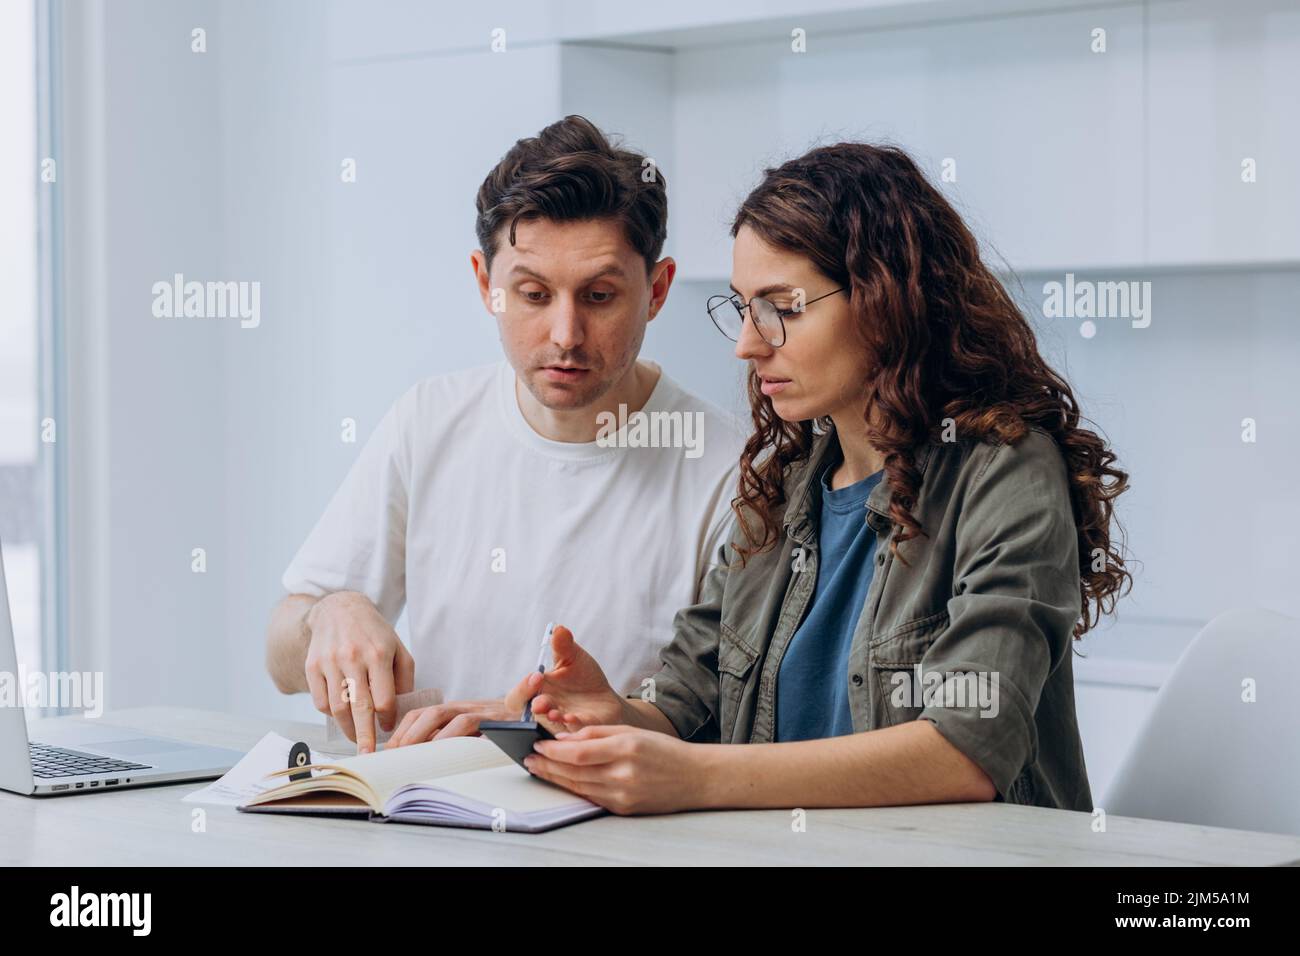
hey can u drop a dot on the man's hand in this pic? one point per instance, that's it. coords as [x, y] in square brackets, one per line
[455, 719]
[356, 665]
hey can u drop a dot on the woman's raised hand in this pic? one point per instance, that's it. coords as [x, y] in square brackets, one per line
[573, 694]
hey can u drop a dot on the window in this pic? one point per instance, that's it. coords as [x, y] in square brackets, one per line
[28, 424]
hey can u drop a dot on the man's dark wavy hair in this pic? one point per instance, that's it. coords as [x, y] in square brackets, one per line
[569, 172]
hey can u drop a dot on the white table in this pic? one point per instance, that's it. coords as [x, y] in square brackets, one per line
[153, 826]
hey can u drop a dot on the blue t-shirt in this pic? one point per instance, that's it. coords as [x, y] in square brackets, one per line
[812, 686]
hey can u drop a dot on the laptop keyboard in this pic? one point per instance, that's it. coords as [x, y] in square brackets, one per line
[50, 761]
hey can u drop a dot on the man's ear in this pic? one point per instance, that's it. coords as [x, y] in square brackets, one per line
[661, 279]
[478, 262]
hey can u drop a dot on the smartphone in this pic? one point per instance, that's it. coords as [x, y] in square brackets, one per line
[515, 737]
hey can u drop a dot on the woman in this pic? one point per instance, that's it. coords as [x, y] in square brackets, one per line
[921, 528]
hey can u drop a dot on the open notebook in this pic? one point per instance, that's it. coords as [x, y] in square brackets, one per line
[456, 782]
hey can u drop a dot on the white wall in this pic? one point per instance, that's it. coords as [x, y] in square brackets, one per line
[1041, 130]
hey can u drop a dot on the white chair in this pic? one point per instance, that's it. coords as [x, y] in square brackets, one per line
[1206, 756]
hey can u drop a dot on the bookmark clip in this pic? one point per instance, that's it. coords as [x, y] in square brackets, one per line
[299, 756]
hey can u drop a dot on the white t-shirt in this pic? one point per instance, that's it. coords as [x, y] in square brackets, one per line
[485, 531]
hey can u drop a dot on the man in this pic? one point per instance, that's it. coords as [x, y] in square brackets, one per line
[493, 500]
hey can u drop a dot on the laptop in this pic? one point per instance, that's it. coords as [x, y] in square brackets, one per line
[86, 756]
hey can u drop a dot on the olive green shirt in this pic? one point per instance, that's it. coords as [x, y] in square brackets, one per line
[974, 636]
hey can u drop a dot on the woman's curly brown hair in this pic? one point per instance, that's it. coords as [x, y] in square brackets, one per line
[944, 340]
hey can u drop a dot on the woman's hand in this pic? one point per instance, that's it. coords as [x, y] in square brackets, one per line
[624, 769]
[573, 694]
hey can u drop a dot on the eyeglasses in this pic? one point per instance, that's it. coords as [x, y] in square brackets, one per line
[728, 314]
